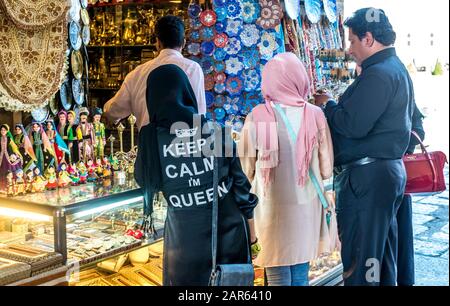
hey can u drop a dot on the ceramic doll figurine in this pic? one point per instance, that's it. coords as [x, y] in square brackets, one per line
[29, 179]
[52, 181]
[10, 184]
[99, 167]
[72, 137]
[74, 175]
[106, 168]
[64, 179]
[44, 150]
[99, 132]
[19, 185]
[39, 182]
[59, 146]
[25, 147]
[85, 135]
[9, 153]
[91, 167]
[83, 172]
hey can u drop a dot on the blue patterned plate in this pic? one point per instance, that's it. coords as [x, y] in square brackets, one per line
[221, 13]
[234, 9]
[313, 10]
[292, 8]
[219, 101]
[330, 10]
[207, 65]
[252, 80]
[78, 91]
[234, 27]
[233, 66]
[220, 88]
[220, 113]
[195, 24]
[250, 35]
[194, 36]
[40, 114]
[250, 10]
[207, 48]
[219, 67]
[207, 34]
[221, 26]
[233, 47]
[193, 49]
[209, 98]
[234, 86]
[250, 58]
[268, 45]
[194, 10]
[219, 3]
[65, 94]
[75, 35]
[220, 54]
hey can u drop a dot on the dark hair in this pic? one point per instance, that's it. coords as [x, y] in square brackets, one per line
[170, 31]
[374, 21]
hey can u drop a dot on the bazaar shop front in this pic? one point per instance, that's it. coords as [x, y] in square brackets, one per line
[68, 200]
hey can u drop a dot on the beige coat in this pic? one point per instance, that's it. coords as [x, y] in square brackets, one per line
[290, 220]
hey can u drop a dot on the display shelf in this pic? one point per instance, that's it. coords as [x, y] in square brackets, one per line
[332, 277]
[57, 277]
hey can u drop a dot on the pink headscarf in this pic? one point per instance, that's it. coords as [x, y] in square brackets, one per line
[285, 81]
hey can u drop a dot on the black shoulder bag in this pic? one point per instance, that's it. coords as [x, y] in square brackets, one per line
[228, 274]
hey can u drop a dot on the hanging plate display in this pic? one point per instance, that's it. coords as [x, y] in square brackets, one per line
[234, 86]
[74, 12]
[194, 36]
[251, 80]
[86, 35]
[220, 113]
[40, 114]
[53, 105]
[250, 35]
[209, 82]
[207, 48]
[220, 54]
[219, 67]
[78, 91]
[231, 107]
[207, 65]
[74, 36]
[250, 58]
[268, 45]
[233, 9]
[84, 3]
[330, 9]
[76, 61]
[193, 49]
[209, 98]
[221, 40]
[233, 66]
[271, 14]
[208, 18]
[221, 13]
[233, 46]
[76, 109]
[194, 10]
[220, 88]
[220, 27]
[250, 10]
[219, 101]
[65, 94]
[195, 24]
[219, 3]
[292, 8]
[207, 34]
[220, 77]
[234, 26]
[313, 10]
[85, 17]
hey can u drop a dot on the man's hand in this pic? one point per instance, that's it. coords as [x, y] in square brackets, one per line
[322, 97]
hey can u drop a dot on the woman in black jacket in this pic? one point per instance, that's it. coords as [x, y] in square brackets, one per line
[405, 257]
[173, 158]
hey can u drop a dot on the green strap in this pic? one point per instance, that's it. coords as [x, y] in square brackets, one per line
[293, 135]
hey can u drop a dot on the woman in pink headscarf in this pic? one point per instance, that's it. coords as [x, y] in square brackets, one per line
[290, 221]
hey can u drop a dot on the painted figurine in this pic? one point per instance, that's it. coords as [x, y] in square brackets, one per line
[29, 178]
[25, 147]
[99, 131]
[59, 146]
[82, 171]
[19, 185]
[44, 150]
[106, 167]
[10, 184]
[72, 137]
[9, 153]
[40, 182]
[74, 175]
[64, 179]
[91, 167]
[52, 181]
[85, 135]
[99, 167]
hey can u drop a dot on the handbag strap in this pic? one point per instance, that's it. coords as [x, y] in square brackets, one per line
[422, 146]
[429, 158]
[215, 213]
[293, 136]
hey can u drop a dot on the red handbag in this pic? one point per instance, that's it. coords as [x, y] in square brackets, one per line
[425, 171]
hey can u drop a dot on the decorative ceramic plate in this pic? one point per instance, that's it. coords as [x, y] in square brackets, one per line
[78, 91]
[74, 35]
[208, 18]
[219, 66]
[207, 34]
[231, 108]
[233, 9]
[221, 26]
[233, 66]
[209, 82]
[268, 45]
[234, 27]
[220, 54]
[271, 14]
[207, 65]
[233, 47]
[221, 40]
[292, 8]
[86, 35]
[65, 94]
[220, 77]
[209, 98]
[40, 114]
[221, 13]
[250, 35]
[250, 10]
[220, 88]
[220, 113]
[84, 3]
[252, 79]
[74, 12]
[195, 24]
[330, 10]
[234, 86]
[219, 3]
[219, 101]
[194, 36]
[194, 10]
[250, 58]
[207, 48]
[313, 10]
[76, 61]
[53, 105]
[85, 17]
[193, 49]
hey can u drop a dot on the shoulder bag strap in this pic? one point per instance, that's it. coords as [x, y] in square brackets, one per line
[429, 158]
[215, 213]
[293, 136]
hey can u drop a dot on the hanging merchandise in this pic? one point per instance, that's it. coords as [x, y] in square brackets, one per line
[77, 64]
[250, 11]
[271, 14]
[208, 18]
[250, 35]
[78, 91]
[75, 35]
[233, 46]
[40, 114]
[234, 27]
[330, 10]
[194, 10]
[65, 95]
[313, 10]
[268, 45]
[233, 66]
[74, 12]
[233, 9]
[292, 8]
[221, 40]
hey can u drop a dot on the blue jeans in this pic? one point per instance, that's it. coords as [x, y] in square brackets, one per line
[288, 276]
